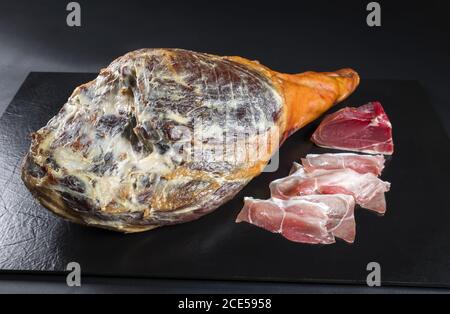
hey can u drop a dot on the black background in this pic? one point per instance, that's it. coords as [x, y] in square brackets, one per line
[290, 36]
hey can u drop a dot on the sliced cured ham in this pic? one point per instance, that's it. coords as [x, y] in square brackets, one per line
[313, 219]
[359, 163]
[367, 189]
[364, 129]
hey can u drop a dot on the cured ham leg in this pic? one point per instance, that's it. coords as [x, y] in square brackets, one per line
[367, 189]
[314, 219]
[165, 136]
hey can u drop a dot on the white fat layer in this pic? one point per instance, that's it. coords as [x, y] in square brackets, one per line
[156, 163]
[105, 97]
[70, 160]
[177, 117]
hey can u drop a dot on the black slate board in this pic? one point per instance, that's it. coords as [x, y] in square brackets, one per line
[411, 242]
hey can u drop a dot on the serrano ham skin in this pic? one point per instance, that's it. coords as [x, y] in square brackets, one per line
[359, 163]
[313, 219]
[367, 189]
[364, 129]
[111, 157]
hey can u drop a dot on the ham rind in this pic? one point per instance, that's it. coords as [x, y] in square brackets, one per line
[313, 219]
[364, 129]
[367, 189]
[359, 163]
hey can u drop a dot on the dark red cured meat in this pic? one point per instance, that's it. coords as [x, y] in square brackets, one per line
[364, 129]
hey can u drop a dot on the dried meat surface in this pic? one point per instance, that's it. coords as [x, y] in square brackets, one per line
[137, 147]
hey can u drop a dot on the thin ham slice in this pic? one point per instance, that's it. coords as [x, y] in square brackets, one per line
[364, 129]
[359, 163]
[313, 219]
[367, 189]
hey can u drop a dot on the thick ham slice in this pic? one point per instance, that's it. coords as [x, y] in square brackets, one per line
[359, 163]
[364, 129]
[313, 219]
[367, 189]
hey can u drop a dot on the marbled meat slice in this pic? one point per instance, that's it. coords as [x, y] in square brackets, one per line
[313, 219]
[367, 189]
[364, 129]
[359, 163]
